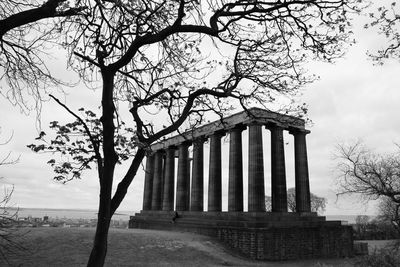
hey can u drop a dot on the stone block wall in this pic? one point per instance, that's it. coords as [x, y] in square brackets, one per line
[290, 243]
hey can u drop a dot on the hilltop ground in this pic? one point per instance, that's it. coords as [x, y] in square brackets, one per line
[135, 247]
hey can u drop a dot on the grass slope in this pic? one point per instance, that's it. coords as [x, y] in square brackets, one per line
[135, 247]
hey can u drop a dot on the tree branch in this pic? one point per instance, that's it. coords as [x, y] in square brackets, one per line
[95, 143]
[127, 180]
[47, 10]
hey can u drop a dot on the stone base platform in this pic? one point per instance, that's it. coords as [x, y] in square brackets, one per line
[259, 235]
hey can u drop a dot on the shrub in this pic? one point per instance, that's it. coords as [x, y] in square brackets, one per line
[385, 257]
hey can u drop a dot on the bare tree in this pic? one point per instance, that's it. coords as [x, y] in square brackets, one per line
[318, 204]
[372, 176]
[389, 211]
[7, 160]
[182, 59]
[362, 223]
[362, 219]
[9, 243]
[26, 34]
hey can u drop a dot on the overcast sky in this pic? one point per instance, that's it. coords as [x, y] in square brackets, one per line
[352, 100]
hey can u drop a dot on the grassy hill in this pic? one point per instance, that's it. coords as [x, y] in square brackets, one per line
[134, 247]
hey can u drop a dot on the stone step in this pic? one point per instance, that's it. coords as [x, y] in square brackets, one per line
[237, 216]
[204, 221]
[243, 218]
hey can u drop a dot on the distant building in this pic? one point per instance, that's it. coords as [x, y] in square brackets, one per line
[36, 220]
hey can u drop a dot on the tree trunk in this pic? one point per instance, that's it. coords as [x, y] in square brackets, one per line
[99, 250]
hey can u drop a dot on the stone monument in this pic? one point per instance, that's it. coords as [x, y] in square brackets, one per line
[275, 235]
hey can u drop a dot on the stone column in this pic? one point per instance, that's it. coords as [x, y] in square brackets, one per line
[197, 197]
[256, 191]
[183, 179]
[303, 202]
[157, 181]
[162, 182]
[188, 184]
[168, 194]
[235, 190]
[278, 173]
[214, 180]
[148, 182]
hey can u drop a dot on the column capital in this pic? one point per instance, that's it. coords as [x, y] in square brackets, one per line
[150, 153]
[174, 148]
[274, 125]
[199, 140]
[252, 122]
[184, 143]
[171, 147]
[237, 127]
[160, 151]
[218, 133]
[298, 131]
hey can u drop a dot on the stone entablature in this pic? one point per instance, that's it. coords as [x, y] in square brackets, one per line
[253, 115]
